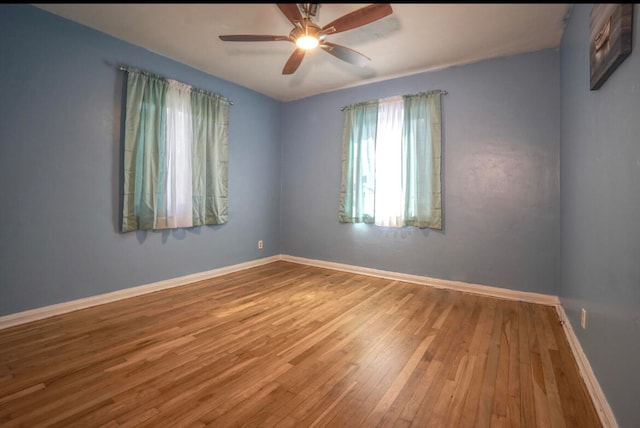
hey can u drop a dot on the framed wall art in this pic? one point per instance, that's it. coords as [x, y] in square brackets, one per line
[610, 39]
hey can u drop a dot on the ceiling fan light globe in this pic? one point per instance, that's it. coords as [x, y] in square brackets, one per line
[307, 42]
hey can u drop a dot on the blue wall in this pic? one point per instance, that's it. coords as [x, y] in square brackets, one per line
[500, 178]
[600, 181]
[60, 151]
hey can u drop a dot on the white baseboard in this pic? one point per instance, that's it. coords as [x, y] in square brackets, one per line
[485, 290]
[74, 305]
[597, 395]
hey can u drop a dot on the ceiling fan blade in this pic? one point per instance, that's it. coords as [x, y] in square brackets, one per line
[294, 61]
[291, 11]
[252, 38]
[358, 18]
[345, 54]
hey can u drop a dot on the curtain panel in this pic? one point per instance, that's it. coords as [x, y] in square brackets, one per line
[358, 155]
[175, 155]
[422, 149]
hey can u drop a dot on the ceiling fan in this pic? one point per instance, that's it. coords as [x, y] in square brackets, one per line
[306, 34]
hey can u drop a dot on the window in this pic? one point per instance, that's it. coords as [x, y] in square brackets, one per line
[391, 162]
[175, 158]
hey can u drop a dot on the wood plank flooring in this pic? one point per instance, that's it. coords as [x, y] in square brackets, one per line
[286, 345]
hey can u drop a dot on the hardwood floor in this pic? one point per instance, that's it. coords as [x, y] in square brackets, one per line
[286, 345]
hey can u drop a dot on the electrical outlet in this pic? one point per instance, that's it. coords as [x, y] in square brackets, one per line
[260, 244]
[583, 318]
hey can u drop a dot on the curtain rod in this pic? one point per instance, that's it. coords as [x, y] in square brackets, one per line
[127, 70]
[441, 93]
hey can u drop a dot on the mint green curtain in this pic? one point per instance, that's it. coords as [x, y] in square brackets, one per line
[144, 151]
[145, 172]
[420, 147]
[358, 163]
[210, 154]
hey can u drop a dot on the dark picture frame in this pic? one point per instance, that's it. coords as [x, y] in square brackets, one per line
[610, 39]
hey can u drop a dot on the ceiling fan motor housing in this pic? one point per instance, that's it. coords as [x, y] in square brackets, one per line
[307, 29]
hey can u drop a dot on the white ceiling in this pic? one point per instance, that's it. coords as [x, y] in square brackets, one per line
[413, 39]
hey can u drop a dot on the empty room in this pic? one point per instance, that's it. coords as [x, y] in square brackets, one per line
[319, 215]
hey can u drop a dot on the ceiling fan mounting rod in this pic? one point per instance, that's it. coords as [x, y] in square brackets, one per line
[309, 9]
